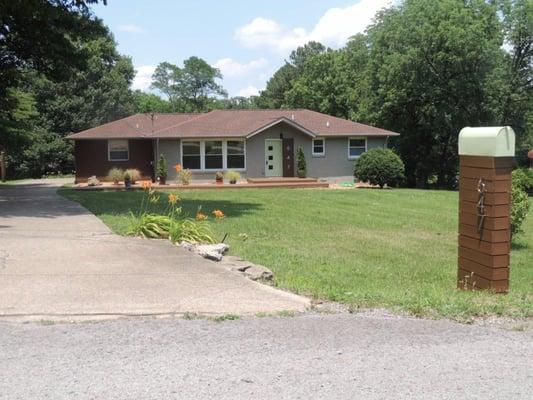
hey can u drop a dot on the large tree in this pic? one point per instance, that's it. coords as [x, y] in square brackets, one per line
[41, 35]
[192, 87]
[429, 64]
[95, 94]
[513, 81]
[274, 95]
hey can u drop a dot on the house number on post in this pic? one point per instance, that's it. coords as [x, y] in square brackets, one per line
[486, 159]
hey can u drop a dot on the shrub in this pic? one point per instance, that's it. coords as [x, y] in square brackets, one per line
[115, 175]
[233, 176]
[301, 165]
[519, 208]
[134, 174]
[191, 231]
[219, 177]
[184, 176]
[161, 169]
[523, 178]
[379, 167]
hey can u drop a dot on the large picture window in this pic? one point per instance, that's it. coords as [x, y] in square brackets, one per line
[213, 155]
[235, 154]
[191, 155]
[118, 150]
[356, 147]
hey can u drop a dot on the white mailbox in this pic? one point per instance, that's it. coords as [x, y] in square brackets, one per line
[492, 141]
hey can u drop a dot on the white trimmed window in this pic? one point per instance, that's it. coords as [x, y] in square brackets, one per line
[356, 147]
[118, 150]
[235, 154]
[213, 155]
[319, 147]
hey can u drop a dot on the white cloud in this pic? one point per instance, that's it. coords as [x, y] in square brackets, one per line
[248, 91]
[230, 67]
[143, 77]
[332, 29]
[131, 28]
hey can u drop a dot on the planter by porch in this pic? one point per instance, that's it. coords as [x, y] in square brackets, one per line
[162, 180]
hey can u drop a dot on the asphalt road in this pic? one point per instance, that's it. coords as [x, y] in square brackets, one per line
[314, 356]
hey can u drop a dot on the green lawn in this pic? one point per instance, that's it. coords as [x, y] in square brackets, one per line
[368, 248]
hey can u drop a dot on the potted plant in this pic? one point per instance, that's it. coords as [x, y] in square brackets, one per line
[161, 170]
[134, 174]
[233, 177]
[301, 170]
[127, 180]
[115, 175]
[219, 178]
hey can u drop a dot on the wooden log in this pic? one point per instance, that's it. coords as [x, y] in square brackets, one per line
[483, 270]
[499, 174]
[499, 261]
[493, 249]
[490, 198]
[487, 162]
[471, 280]
[485, 234]
[490, 186]
[490, 211]
[488, 223]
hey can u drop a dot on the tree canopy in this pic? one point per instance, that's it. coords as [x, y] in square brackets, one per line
[192, 87]
[424, 69]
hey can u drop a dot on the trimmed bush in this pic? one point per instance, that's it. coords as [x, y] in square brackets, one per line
[523, 178]
[519, 208]
[301, 164]
[380, 167]
[161, 169]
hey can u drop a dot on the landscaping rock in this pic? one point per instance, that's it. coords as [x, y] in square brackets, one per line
[250, 270]
[210, 251]
[215, 252]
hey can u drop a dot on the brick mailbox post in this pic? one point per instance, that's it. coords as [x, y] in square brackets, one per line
[486, 159]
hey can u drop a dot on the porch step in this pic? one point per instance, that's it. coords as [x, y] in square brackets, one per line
[281, 180]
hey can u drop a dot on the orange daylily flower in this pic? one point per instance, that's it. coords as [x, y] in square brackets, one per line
[200, 216]
[172, 198]
[146, 185]
[218, 214]
[178, 168]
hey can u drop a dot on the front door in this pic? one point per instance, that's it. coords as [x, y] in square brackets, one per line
[273, 157]
[288, 157]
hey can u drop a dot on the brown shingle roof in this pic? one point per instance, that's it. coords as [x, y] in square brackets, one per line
[134, 126]
[228, 123]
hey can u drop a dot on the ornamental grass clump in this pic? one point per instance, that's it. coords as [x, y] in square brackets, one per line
[115, 175]
[134, 174]
[170, 225]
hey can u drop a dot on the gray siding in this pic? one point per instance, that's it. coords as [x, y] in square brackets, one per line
[334, 164]
[170, 148]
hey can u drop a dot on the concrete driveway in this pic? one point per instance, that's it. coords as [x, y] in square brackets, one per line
[57, 260]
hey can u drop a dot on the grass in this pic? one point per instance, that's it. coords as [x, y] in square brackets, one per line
[367, 248]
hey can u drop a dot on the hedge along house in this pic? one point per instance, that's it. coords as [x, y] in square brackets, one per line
[257, 143]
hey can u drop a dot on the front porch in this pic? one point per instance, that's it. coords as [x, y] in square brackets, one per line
[250, 183]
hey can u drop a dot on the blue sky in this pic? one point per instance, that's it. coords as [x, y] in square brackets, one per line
[247, 40]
